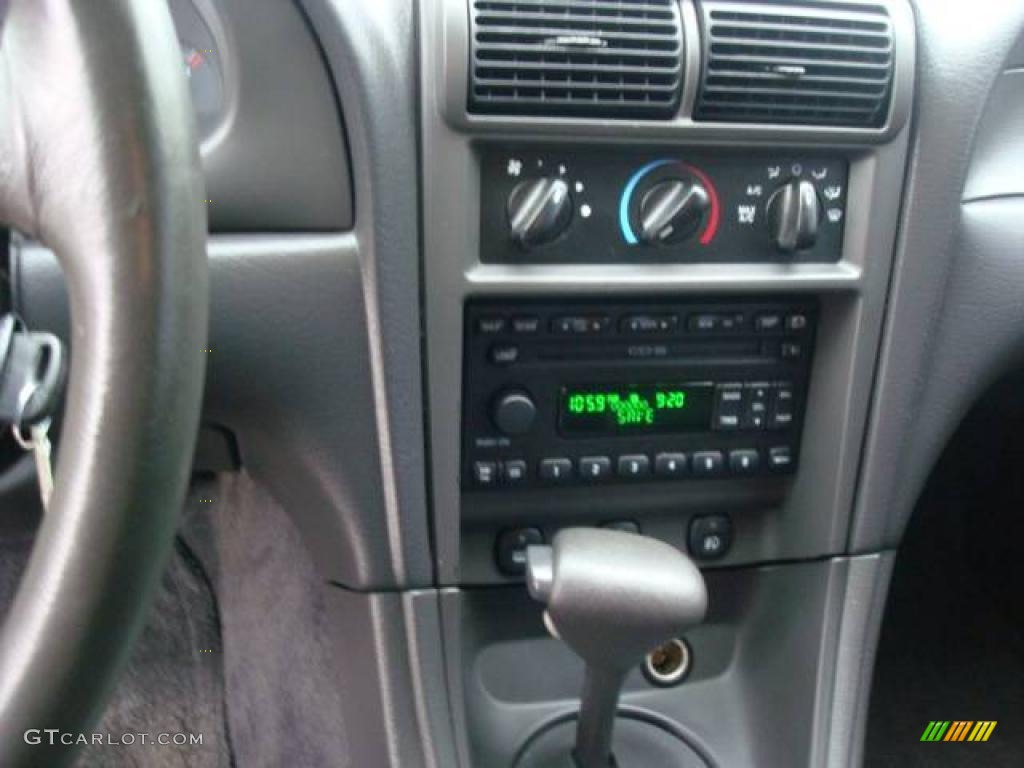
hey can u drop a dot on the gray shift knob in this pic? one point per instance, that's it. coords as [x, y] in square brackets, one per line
[612, 597]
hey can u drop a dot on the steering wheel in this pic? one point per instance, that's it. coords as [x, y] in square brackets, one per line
[99, 161]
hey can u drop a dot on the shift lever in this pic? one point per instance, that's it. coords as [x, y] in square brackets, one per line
[611, 597]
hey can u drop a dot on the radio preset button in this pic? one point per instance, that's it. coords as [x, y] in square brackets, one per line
[708, 463]
[791, 350]
[670, 464]
[595, 467]
[514, 472]
[632, 466]
[556, 470]
[744, 462]
[485, 473]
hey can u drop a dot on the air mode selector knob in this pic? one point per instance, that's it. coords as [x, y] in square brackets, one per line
[793, 215]
[672, 210]
[539, 210]
[514, 413]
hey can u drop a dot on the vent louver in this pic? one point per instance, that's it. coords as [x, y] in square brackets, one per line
[809, 64]
[598, 58]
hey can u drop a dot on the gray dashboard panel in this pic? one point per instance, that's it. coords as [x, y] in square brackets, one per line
[289, 375]
[279, 161]
[952, 323]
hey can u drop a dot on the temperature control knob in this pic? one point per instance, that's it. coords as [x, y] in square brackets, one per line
[514, 413]
[793, 215]
[672, 210]
[539, 210]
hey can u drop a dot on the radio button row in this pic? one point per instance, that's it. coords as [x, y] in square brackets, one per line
[556, 470]
[595, 467]
[638, 324]
[580, 325]
[708, 463]
[634, 466]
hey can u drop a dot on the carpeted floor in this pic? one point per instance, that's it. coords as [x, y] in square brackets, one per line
[235, 648]
[952, 645]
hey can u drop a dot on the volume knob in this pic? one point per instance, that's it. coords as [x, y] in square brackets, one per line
[539, 210]
[514, 413]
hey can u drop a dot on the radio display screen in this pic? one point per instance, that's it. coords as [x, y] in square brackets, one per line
[596, 411]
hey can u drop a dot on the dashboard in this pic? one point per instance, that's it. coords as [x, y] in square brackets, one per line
[725, 273]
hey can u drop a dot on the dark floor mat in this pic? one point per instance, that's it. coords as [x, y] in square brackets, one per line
[173, 682]
[952, 645]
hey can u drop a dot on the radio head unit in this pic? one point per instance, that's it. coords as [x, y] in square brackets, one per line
[594, 392]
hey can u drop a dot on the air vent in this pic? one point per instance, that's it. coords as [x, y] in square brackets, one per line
[812, 63]
[600, 58]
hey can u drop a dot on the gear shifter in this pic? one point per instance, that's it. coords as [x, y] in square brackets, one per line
[611, 597]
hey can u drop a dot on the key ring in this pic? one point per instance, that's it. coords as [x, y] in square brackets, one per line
[24, 398]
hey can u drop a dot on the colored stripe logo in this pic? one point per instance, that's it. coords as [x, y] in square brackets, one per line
[959, 730]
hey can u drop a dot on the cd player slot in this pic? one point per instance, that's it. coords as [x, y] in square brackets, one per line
[688, 351]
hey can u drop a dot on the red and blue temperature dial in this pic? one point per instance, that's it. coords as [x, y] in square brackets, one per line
[667, 202]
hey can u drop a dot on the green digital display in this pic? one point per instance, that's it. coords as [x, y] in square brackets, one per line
[614, 410]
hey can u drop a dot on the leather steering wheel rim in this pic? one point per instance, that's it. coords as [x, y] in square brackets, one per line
[99, 161]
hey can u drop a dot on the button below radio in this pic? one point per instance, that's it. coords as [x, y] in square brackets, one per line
[556, 470]
[649, 324]
[710, 536]
[510, 550]
[708, 463]
[580, 325]
[670, 464]
[744, 462]
[595, 467]
[634, 466]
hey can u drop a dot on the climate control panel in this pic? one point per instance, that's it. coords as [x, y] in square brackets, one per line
[587, 393]
[555, 206]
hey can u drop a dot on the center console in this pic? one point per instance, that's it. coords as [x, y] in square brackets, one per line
[654, 285]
